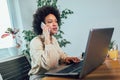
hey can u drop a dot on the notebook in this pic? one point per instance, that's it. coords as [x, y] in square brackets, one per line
[95, 54]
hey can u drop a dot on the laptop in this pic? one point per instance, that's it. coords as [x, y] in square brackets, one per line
[95, 54]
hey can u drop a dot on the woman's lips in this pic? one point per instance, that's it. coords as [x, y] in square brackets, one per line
[55, 29]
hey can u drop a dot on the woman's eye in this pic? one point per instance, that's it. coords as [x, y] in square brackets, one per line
[49, 22]
[52, 21]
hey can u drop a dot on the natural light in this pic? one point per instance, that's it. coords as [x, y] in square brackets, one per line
[4, 24]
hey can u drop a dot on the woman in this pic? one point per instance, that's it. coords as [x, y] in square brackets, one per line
[44, 49]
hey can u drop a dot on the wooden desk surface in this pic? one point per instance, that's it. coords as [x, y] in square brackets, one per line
[110, 70]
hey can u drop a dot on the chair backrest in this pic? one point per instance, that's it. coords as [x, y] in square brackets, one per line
[15, 68]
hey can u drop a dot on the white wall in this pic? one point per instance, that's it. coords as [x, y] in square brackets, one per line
[87, 14]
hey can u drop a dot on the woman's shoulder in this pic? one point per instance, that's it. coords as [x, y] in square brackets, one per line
[36, 43]
[35, 40]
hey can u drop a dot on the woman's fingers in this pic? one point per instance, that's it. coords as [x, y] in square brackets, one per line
[75, 59]
[72, 59]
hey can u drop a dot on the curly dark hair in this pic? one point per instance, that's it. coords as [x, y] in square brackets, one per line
[40, 15]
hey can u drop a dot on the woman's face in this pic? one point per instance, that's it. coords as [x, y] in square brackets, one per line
[51, 22]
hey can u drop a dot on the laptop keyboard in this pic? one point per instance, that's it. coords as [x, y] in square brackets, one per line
[75, 67]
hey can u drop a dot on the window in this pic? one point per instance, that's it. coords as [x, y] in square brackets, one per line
[4, 24]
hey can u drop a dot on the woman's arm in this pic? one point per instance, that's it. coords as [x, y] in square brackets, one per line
[42, 57]
[64, 57]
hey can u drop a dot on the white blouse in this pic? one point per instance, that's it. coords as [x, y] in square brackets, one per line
[44, 57]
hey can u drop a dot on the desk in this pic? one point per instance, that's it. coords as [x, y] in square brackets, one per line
[109, 70]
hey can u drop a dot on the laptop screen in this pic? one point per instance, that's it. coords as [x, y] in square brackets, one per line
[96, 49]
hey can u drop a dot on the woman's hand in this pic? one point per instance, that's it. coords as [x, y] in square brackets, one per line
[46, 33]
[69, 60]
